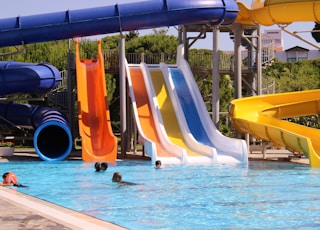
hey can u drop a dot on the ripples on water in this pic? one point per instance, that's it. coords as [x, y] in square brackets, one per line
[261, 196]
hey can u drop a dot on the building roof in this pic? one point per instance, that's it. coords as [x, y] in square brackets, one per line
[296, 48]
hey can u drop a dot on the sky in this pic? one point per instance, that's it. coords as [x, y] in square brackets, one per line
[15, 8]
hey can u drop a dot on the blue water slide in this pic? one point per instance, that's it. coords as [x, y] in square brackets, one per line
[191, 109]
[52, 139]
[19, 77]
[194, 120]
[114, 18]
[41, 78]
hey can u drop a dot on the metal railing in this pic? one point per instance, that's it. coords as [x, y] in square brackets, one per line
[198, 62]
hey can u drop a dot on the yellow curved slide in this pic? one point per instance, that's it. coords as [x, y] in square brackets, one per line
[98, 141]
[261, 116]
[272, 12]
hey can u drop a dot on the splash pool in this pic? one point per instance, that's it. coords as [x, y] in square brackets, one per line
[261, 196]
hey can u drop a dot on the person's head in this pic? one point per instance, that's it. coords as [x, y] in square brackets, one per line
[10, 178]
[158, 164]
[104, 166]
[4, 176]
[100, 166]
[117, 177]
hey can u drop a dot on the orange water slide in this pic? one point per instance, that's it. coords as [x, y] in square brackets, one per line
[144, 111]
[154, 147]
[98, 141]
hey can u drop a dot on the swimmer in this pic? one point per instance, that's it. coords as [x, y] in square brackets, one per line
[117, 177]
[101, 166]
[158, 164]
[10, 179]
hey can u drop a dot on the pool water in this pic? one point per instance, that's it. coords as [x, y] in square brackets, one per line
[260, 196]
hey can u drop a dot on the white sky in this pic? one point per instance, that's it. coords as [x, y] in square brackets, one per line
[13, 8]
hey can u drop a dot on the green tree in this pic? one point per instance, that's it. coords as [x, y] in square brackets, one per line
[295, 76]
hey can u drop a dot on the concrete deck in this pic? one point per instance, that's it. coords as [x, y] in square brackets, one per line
[23, 212]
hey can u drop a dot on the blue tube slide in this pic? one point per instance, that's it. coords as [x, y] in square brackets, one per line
[52, 138]
[19, 77]
[114, 18]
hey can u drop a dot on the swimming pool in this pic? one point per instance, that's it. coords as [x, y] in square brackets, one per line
[261, 196]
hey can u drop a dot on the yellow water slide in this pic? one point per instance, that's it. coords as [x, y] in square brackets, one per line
[98, 141]
[155, 145]
[196, 153]
[262, 117]
[270, 12]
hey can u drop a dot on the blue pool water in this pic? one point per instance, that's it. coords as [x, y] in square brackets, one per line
[261, 196]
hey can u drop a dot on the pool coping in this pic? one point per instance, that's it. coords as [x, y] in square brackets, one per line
[52, 212]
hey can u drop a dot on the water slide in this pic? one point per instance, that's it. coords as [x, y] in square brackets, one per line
[52, 138]
[168, 123]
[192, 112]
[143, 14]
[110, 19]
[155, 144]
[283, 12]
[98, 141]
[261, 116]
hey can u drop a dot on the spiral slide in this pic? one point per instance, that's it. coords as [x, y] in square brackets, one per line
[52, 138]
[261, 116]
[98, 141]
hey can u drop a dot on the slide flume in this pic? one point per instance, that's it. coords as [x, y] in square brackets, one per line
[261, 116]
[192, 113]
[98, 141]
[283, 12]
[165, 115]
[154, 145]
[114, 18]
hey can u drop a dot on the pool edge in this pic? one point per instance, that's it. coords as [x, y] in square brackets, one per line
[58, 214]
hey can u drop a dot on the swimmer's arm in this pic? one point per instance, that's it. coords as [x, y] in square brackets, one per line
[6, 184]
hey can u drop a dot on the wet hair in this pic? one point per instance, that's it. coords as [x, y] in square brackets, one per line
[117, 177]
[158, 163]
[104, 166]
[101, 166]
[5, 175]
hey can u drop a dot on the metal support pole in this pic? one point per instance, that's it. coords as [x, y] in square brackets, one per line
[294, 34]
[258, 61]
[237, 62]
[215, 77]
[185, 43]
[70, 93]
[123, 112]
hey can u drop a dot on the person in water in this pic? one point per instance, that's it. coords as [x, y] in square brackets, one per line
[158, 164]
[117, 177]
[101, 166]
[10, 179]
